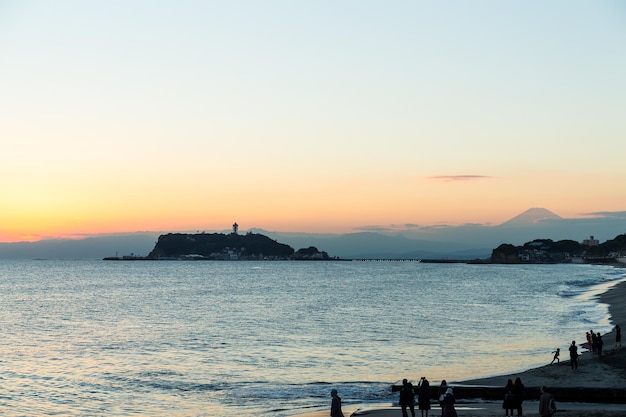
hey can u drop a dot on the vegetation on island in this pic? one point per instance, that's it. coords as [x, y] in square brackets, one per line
[232, 246]
[562, 251]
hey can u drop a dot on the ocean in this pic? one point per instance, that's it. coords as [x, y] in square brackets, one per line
[170, 338]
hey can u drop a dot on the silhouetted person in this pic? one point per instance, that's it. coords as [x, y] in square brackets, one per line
[335, 405]
[618, 336]
[407, 398]
[594, 343]
[448, 404]
[557, 352]
[573, 355]
[547, 408]
[423, 396]
[518, 393]
[509, 398]
[599, 343]
[443, 387]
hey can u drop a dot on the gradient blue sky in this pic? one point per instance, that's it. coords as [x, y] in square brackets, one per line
[314, 116]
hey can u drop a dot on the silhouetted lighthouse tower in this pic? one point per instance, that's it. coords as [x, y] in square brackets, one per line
[235, 228]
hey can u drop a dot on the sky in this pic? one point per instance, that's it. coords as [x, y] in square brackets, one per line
[307, 116]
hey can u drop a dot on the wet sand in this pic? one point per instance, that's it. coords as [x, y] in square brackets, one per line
[605, 372]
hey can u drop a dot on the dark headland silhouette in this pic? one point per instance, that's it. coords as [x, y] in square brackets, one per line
[563, 251]
[227, 247]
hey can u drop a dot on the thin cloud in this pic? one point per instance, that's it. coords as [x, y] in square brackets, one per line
[607, 214]
[405, 226]
[378, 229]
[390, 228]
[436, 227]
[412, 227]
[449, 178]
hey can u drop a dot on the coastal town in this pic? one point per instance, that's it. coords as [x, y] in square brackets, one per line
[565, 251]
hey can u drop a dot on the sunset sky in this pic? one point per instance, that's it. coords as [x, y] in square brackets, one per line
[317, 116]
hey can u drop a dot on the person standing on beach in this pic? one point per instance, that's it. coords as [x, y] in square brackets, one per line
[335, 405]
[509, 399]
[423, 396]
[618, 336]
[407, 398]
[557, 352]
[594, 343]
[443, 387]
[588, 340]
[518, 394]
[448, 404]
[546, 403]
[599, 343]
[573, 355]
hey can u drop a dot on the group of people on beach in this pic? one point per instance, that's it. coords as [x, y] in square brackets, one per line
[407, 398]
[573, 355]
[513, 397]
[595, 344]
[514, 390]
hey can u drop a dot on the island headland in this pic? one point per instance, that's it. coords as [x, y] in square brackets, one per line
[224, 247]
[562, 251]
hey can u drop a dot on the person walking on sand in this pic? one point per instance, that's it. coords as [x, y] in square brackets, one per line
[518, 394]
[547, 407]
[599, 344]
[573, 355]
[509, 399]
[448, 404]
[618, 336]
[557, 352]
[407, 398]
[335, 405]
[423, 396]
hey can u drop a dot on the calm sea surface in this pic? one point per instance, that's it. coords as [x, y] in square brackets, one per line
[272, 338]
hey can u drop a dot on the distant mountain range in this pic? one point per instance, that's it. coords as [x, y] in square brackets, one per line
[470, 241]
[96, 247]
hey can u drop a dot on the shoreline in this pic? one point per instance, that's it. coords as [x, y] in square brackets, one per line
[607, 371]
[594, 373]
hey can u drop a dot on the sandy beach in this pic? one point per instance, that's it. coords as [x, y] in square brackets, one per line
[605, 372]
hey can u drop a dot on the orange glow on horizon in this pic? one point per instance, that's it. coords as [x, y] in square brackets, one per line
[345, 205]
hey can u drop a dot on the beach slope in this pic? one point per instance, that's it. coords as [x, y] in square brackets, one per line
[581, 392]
